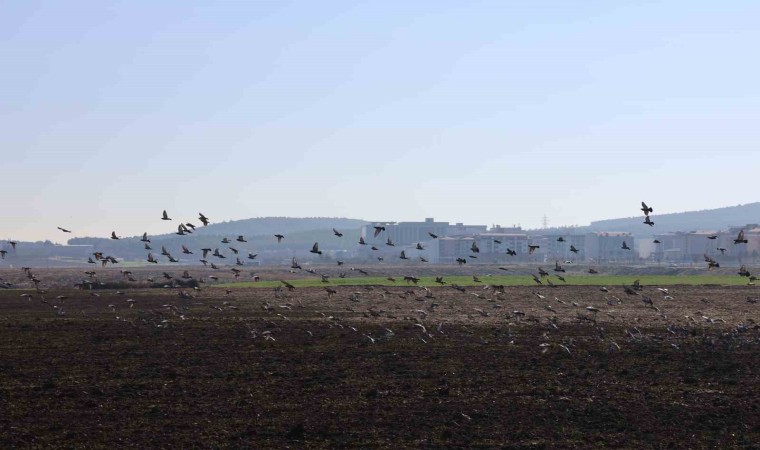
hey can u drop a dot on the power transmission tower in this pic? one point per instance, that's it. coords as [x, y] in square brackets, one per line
[545, 221]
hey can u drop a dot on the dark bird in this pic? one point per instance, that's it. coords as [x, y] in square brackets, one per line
[542, 272]
[337, 233]
[204, 220]
[241, 239]
[205, 252]
[252, 255]
[225, 241]
[657, 241]
[722, 250]
[592, 271]
[432, 235]
[497, 241]
[294, 264]
[361, 241]
[560, 239]
[648, 221]
[181, 230]
[740, 239]
[625, 246]
[532, 248]
[712, 236]
[474, 248]
[374, 248]
[511, 252]
[390, 243]
[113, 235]
[64, 230]
[419, 247]
[378, 230]
[557, 267]
[165, 216]
[403, 255]
[744, 272]
[422, 258]
[186, 250]
[536, 279]
[234, 250]
[573, 249]
[3, 253]
[13, 244]
[145, 237]
[279, 237]
[461, 261]
[151, 259]
[315, 249]
[646, 209]
[164, 251]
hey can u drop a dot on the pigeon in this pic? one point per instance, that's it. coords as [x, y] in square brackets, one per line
[646, 209]
[204, 220]
[165, 216]
[64, 230]
[315, 249]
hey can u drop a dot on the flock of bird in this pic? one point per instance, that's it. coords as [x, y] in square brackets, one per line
[490, 299]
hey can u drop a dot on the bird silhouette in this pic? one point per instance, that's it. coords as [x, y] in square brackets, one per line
[533, 248]
[145, 237]
[646, 209]
[315, 249]
[165, 216]
[648, 221]
[390, 243]
[337, 233]
[186, 250]
[560, 239]
[204, 220]
[432, 235]
[419, 247]
[361, 241]
[712, 237]
[573, 249]
[625, 246]
[279, 237]
[511, 252]
[474, 248]
[151, 259]
[64, 230]
[403, 255]
[740, 239]
[378, 230]
[113, 235]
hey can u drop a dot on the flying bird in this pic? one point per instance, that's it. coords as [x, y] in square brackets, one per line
[573, 249]
[337, 233]
[145, 237]
[646, 209]
[511, 252]
[432, 235]
[625, 246]
[361, 241]
[378, 230]
[241, 239]
[532, 248]
[64, 230]
[279, 237]
[315, 249]
[204, 220]
[740, 239]
[165, 216]
[403, 255]
[474, 248]
[113, 235]
[648, 221]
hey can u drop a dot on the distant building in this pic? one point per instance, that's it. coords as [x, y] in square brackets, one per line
[607, 246]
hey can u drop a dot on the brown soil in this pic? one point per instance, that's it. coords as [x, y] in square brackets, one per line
[259, 368]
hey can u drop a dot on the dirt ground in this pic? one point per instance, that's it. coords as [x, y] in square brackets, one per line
[526, 367]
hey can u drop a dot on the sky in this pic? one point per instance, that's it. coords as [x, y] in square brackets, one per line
[483, 112]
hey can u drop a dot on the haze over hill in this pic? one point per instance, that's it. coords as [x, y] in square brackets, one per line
[708, 219]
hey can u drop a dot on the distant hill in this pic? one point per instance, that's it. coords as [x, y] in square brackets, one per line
[707, 219]
[300, 234]
[270, 226]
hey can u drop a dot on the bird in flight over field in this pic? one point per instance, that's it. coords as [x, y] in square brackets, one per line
[279, 237]
[646, 209]
[203, 219]
[165, 216]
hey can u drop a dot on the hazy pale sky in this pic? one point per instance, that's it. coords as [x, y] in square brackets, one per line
[474, 111]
